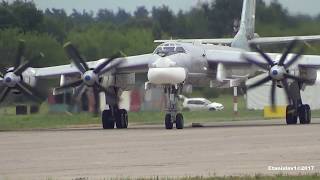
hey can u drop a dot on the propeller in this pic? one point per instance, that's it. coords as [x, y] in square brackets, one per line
[90, 78]
[278, 71]
[12, 78]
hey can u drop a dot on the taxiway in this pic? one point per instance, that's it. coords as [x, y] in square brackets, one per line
[226, 148]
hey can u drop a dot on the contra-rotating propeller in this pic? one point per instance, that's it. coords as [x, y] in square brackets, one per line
[278, 71]
[12, 78]
[90, 78]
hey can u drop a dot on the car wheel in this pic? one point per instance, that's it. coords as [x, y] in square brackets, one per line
[212, 109]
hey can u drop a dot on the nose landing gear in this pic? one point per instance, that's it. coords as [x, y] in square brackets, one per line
[172, 116]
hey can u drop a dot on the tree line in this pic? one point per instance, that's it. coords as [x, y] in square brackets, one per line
[105, 32]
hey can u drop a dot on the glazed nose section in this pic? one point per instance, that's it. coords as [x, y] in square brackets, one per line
[163, 62]
[164, 71]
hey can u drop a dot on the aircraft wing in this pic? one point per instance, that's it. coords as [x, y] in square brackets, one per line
[234, 58]
[224, 41]
[283, 40]
[132, 64]
[258, 40]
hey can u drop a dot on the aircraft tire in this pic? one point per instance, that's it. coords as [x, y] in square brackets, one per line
[179, 121]
[168, 122]
[122, 119]
[305, 114]
[291, 117]
[107, 120]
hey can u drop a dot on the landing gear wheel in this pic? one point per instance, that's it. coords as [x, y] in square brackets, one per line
[304, 114]
[168, 122]
[179, 121]
[291, 116]
[122, 119]
[107, 120]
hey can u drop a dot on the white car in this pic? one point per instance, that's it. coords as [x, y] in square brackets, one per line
[197, 104]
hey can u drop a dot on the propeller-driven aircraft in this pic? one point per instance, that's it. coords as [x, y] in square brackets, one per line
[19, 79]
[175, 64]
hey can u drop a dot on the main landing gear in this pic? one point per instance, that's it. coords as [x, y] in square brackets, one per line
[114, 116]
[297, 109]
[302, 112]
[172, 116]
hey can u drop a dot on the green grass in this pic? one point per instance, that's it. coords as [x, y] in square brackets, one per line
[9, 121]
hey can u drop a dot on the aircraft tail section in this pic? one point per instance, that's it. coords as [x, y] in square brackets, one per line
[247, 25]
[248, 17]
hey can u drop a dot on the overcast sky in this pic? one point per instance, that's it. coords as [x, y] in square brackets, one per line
[310, 7]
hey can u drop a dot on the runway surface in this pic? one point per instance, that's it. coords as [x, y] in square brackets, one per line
[235, 148]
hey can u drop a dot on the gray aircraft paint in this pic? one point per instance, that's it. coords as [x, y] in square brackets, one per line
[247, 25]
[201, 60]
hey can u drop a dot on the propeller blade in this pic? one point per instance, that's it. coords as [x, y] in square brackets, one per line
[96, 99]
[288, 50]
[104, 64]
[3, 71]
[260, 82]
[74, 55]
[72, 85]
[112, 66]
[273, 95]
[28, 90]
[295, 58]
[264, 55]
[18, 71]
[1, 81]
[252, 61]
[286, 89]
[299, 79]
[20, 52]
[62, 89]
[4, 93]
[79, 91]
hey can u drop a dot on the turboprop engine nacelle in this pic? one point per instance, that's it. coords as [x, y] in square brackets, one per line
[169, 75]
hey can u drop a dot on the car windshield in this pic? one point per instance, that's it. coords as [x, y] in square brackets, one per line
[168, 49]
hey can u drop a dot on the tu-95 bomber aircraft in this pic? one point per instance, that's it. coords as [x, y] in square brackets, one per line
[174, 65]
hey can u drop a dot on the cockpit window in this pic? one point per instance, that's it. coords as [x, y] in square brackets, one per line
[168, 49]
